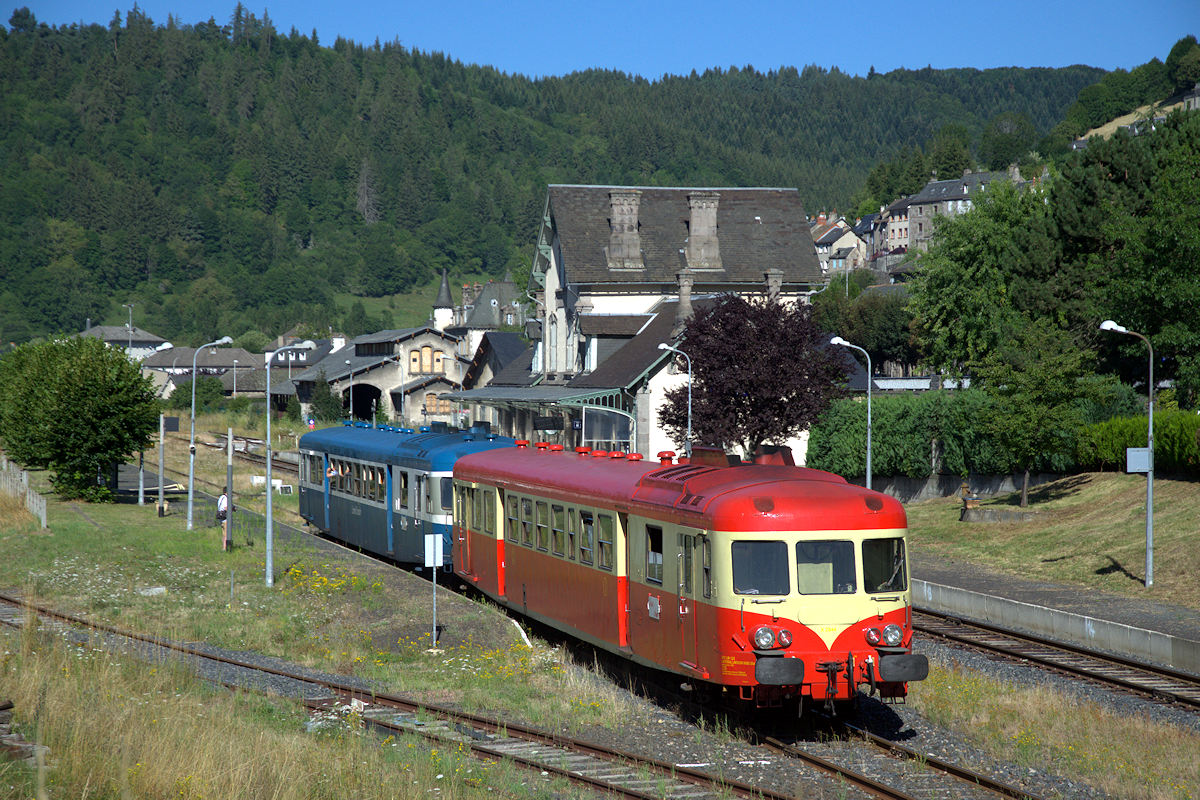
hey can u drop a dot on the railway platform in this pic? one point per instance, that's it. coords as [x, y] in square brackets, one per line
[1139, 628]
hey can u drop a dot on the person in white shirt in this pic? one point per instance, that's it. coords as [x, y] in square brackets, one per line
[223, 518]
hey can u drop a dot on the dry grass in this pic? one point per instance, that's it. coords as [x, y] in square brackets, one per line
[14, 519]
[1109, 128]
[116, 729]
[1124, 756]
[1090, 531]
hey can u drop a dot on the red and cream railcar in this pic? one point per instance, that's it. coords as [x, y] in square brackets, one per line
[772, 581]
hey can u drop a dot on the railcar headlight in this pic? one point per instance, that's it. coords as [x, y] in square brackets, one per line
[893, 635]
[873, 636]
[785, 637]
[764, 638]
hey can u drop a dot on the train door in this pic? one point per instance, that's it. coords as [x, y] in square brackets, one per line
[620, 567]
[461, 522]
[685, 557]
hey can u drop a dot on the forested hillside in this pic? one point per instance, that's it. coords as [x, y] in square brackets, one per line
[226, 177]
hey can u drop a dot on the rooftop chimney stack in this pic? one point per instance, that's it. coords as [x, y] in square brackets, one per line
[703, 251]
[624, 240]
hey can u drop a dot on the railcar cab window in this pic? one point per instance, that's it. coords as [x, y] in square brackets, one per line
[489, 511]
[446, 489]
[760, 568]
[586, 534]
[557, 526]
[526, 522]
[402, 490]
[825, 567]
[604, 541]
[884, 568]
[474, 508]
[572, 532]
[543, 525]
[654, 554]
[512, 524]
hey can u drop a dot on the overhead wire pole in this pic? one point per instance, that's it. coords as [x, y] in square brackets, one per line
[308, 344]
[192, 436]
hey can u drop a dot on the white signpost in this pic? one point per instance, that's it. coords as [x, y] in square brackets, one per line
[433, 560]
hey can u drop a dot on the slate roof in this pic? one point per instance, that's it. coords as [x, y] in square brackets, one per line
[636, 356]
[963, 188]
[120, 334]
[865, 225]
[516, 372]
[209, 358]
[757, 229]
[612, 324]
[495, 299]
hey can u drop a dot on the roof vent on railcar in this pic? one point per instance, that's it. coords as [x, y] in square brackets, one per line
[583, 451]
[711, 457]
[774, 455]
[667, 457]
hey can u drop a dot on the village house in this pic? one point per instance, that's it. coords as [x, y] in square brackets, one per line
[616, 270]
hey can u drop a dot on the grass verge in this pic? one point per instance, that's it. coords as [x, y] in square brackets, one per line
[1125, 756]
[1089, 531]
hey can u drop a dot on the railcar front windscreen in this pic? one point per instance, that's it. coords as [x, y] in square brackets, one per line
[760, 568]
[825, 567]
[884, 569]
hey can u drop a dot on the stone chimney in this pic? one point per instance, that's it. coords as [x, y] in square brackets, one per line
[703, 250]
[624, 240]
[684, 312]
[774, 278]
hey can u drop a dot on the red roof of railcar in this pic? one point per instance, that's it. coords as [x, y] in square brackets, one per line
[744, 497]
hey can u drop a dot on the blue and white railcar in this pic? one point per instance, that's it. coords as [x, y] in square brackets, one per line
[383, 489]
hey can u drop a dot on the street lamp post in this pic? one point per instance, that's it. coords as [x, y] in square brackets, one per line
[129, 346]
[351, 401]
[687, 445]
[843, 343]
[270, 569]
[235, 377]
[192, 436]
[1109, 325]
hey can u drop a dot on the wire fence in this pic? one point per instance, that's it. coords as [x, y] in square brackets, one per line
[14, 481]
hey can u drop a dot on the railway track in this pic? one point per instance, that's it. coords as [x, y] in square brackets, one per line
[1147, 680]
[861, 764]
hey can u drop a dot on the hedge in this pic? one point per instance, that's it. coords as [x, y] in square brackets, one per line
[919, 435]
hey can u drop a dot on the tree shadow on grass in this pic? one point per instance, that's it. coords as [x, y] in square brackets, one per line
[1044, 493]
[1115, 566]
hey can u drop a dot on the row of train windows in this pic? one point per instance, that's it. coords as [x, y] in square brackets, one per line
[577, 534]
[369, 481]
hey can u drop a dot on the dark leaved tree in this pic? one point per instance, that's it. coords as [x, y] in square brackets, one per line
[762, 372]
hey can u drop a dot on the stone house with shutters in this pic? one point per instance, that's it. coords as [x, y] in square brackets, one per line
[614, 274]
[402, 376]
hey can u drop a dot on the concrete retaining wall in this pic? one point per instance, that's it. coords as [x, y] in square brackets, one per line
[909, 490]
[1158, 648]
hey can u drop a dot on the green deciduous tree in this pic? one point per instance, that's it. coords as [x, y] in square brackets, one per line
[762, 371]
[1006, 140]
[210, 393]
[75, 407]
[1036, 372]
[325, 406]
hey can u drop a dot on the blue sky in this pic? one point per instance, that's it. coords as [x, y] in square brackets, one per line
[649, 38]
